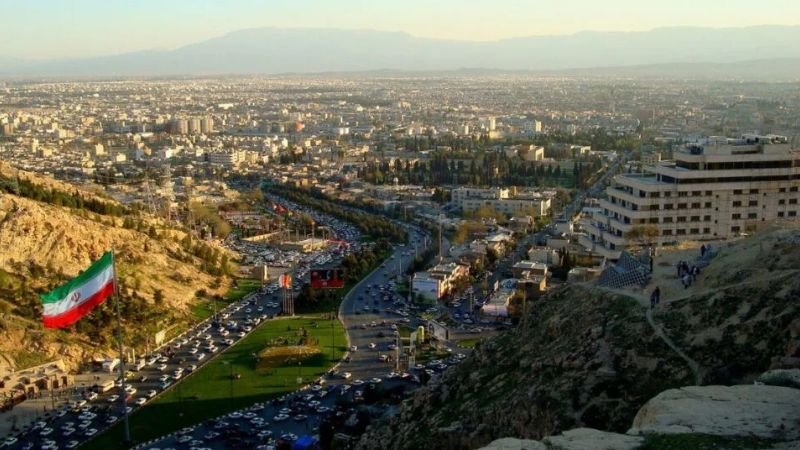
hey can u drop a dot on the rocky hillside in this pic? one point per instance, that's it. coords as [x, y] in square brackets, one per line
[585, 357]
[160, 271]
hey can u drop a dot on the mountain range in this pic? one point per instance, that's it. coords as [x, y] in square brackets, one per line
[759, 51]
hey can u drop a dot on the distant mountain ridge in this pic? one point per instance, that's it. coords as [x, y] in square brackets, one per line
[277, 50]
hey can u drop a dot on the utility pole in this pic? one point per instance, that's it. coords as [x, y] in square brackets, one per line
[440, 238]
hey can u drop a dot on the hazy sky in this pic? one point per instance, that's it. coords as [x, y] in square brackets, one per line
[69, 28]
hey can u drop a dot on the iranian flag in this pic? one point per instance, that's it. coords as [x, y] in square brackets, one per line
[68, 303]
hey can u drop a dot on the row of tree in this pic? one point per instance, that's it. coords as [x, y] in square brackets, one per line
[370, 224]
[26, 188]
[356, 266]
[489, 168]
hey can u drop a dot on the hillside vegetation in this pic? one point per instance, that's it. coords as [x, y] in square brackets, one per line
[586, 357]
[53, 231]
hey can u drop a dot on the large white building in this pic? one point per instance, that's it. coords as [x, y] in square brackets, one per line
[438, 281]
[714, 189]
[505, 200]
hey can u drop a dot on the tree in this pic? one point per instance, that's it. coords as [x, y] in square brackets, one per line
[158, 297]
[644, 235]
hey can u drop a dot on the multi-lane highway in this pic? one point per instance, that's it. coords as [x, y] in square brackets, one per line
[372, 311]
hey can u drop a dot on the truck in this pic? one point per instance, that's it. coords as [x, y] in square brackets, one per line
[105, 386]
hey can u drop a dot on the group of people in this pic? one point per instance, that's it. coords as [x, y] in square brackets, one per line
[687, 274]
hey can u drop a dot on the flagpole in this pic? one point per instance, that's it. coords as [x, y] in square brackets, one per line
[123, 393]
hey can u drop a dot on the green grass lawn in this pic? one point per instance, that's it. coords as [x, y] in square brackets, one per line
[211, 392]
[203, 308]
[468, 343]
[244, 287]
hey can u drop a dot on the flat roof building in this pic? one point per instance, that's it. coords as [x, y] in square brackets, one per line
[714, 189]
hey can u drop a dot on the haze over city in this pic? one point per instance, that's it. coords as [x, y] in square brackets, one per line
[386, 225]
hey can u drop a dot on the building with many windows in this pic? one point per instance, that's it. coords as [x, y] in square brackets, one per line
[505, 200]
[714, 189]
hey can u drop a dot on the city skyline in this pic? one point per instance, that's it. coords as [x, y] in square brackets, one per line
[52, 30]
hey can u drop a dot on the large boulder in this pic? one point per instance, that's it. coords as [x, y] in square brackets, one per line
[591, 439]
[514, 444]
[781, 377]
[746, 410]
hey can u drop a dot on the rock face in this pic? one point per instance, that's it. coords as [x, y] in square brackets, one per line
[515, 444]
[781, 377]
[591, 439]
[771, 412]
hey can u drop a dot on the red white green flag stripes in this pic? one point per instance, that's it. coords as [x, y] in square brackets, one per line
[66, 304]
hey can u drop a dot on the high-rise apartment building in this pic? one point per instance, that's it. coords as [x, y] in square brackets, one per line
[194, 126]
[714, 189]
[207, 125]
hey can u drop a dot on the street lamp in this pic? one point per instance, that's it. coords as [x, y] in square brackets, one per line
[230, 393]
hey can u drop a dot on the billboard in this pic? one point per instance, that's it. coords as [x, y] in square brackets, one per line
[285, 281]
[438, 331]
[327, 278]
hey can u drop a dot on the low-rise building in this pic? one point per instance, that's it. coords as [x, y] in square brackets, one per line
[505, 200]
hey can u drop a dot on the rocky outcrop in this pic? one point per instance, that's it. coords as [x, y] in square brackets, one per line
[770, 412]
[591, 439]
[781, 377]
[514, 444]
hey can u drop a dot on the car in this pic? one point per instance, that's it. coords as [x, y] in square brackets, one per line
[353, 348]
[72, 444]
[347, 375]
[9, 441]
[141, 401]
[280, 417]
[113, 398]
[111, 419]
[161, 367]
[372, 346]
[90, 432]
[46, 431]
[300, 417]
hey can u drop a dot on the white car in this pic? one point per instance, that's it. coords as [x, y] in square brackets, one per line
[140, 401]
[162, 367]
[353, 348]
[372, 346]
